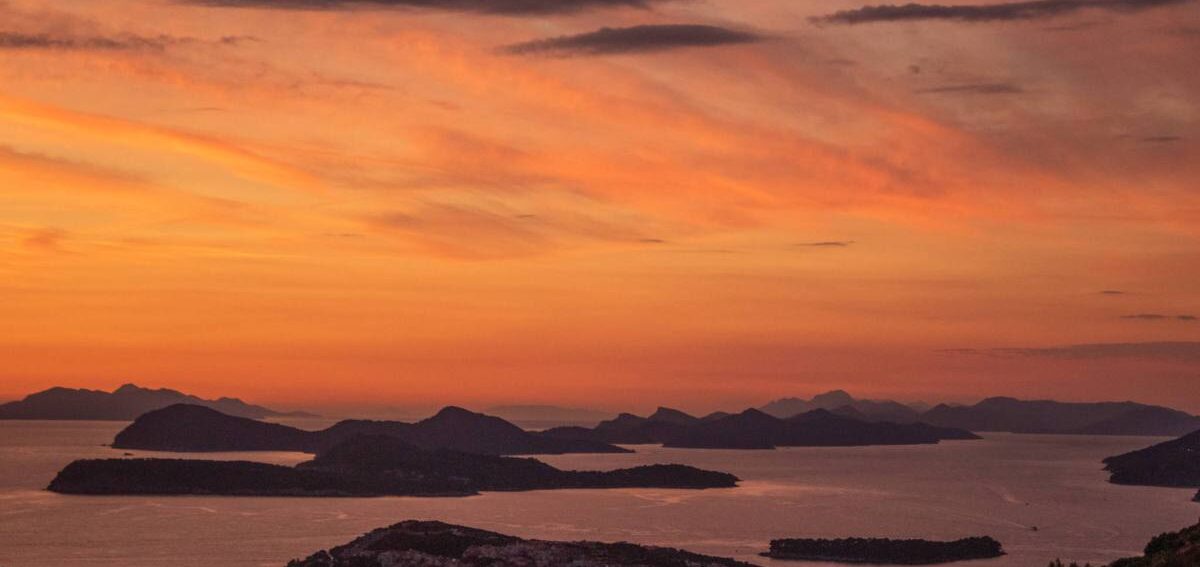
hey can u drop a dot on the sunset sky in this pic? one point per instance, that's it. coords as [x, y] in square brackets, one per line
[604, 203]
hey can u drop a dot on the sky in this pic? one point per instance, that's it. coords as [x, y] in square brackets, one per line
[603, 203]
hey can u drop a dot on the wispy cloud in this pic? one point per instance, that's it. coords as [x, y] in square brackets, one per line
[1007, 11]
[505, 7]
[975, 88]
[828, 244]
[1158, 317]
[1185, 350]
[19, 40]
[636, 39]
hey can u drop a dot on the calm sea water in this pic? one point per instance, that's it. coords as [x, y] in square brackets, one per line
[1002, 486]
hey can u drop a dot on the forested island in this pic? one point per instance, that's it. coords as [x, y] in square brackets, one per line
[191, 428]
[364, 466]
[885, 551]
[436, 544]
[1174, 463]
[754, 429]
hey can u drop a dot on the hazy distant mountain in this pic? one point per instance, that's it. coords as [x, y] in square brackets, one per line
[1046, 416]
[754, 429]
[188, 428]
[871, 410]
[123, 404]
[1171, 463]
[548, 415]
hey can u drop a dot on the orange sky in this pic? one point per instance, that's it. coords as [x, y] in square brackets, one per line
[384, 205]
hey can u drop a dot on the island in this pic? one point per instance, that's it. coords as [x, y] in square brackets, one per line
[123, 404]
[1065, 418]
[436, 544]
[188, 428]
[1174, 463]
[755, 429]
[885, 551]
[364, 465]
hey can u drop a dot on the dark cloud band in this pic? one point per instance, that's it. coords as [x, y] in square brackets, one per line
[637, 39]
[1008, 11]
[1170, 350]
[507, 7]
[14, 40]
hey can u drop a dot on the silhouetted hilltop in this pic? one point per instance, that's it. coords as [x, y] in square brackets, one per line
[1047, 416]
[184, 428]
[754, 429]
[189, 428]
[435, 544]
[123, 404]
[1172, 549]
[869, 410]
[365, 466]
[548, 416]
[1171, 463]
[629, 429]
[885, 551]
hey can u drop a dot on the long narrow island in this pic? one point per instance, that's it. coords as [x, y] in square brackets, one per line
[367, 465]
[885, 551]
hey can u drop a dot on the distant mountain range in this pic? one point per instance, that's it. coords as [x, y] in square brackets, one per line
[123, 404]
[547, 416]
[1046, 416]
[838, 401]
[190, 428]
[1002, 414]
[753, 429]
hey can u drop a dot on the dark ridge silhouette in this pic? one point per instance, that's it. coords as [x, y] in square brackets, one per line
[123, 404]
[753, 429]
[871, 410]
[186, 428]
[1174, 463]
[885, 551]
[365, 466]
[1171, 549]
[435, 544]
[1047, 416]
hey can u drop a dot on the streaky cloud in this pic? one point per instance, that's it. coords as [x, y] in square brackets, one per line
[636, 39]
[1006, 11]
[502, 7]
[1158, 317]
[33, 41]
[975, 88]
[1168, 350]
[828, 244]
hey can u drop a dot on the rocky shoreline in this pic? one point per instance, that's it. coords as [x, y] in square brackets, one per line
[885, 551]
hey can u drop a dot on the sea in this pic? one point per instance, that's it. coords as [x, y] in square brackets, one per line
[1042, 496]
